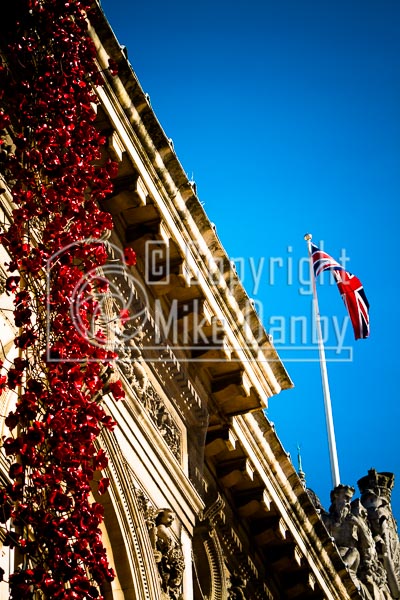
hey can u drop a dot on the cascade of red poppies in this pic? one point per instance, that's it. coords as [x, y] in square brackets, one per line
[57, 177]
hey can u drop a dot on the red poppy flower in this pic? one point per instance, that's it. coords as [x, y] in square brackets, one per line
[58, 182]
[116, 390]
[130, 256]
[103, 485]
[12, 283]
[124, 315]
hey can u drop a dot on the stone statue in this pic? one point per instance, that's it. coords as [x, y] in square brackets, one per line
[371, 572]
[366, 535]
[375, 491]
[168, 555]
[342, 526]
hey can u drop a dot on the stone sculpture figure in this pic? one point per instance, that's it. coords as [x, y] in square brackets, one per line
[375, 491]
[371, 572]
[366, 535]
[348, 523]
[342, 526]
[168, 554]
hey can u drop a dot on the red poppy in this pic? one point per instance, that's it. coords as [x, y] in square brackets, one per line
[124, 315]
[58, 182]
[130, 256]
[103, 485]
[12, 283]
[116, 390]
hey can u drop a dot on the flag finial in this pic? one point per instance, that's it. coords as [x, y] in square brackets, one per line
[300, 471]
[308, 236]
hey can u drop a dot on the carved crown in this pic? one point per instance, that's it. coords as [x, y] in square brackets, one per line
[380, 484]
[342, 491]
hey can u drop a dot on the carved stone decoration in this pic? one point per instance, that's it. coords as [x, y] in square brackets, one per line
[168, 555]
[365, 533]
[342, 527]
[375, 489]
[167, 550]
[162, 420]
[208, 556]
[131, 364]
[147, 509]
[238, 585]
[371, 573]
[213, 512]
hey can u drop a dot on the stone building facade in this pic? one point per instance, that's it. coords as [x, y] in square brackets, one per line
[204, 502]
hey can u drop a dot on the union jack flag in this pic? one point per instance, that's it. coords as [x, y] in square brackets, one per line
[350, 288]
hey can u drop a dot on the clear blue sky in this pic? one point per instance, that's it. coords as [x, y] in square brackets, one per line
[287, 115]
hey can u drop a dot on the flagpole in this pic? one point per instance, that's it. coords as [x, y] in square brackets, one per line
[324, 376]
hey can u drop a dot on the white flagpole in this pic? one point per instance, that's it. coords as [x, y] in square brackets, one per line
[324, 376]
